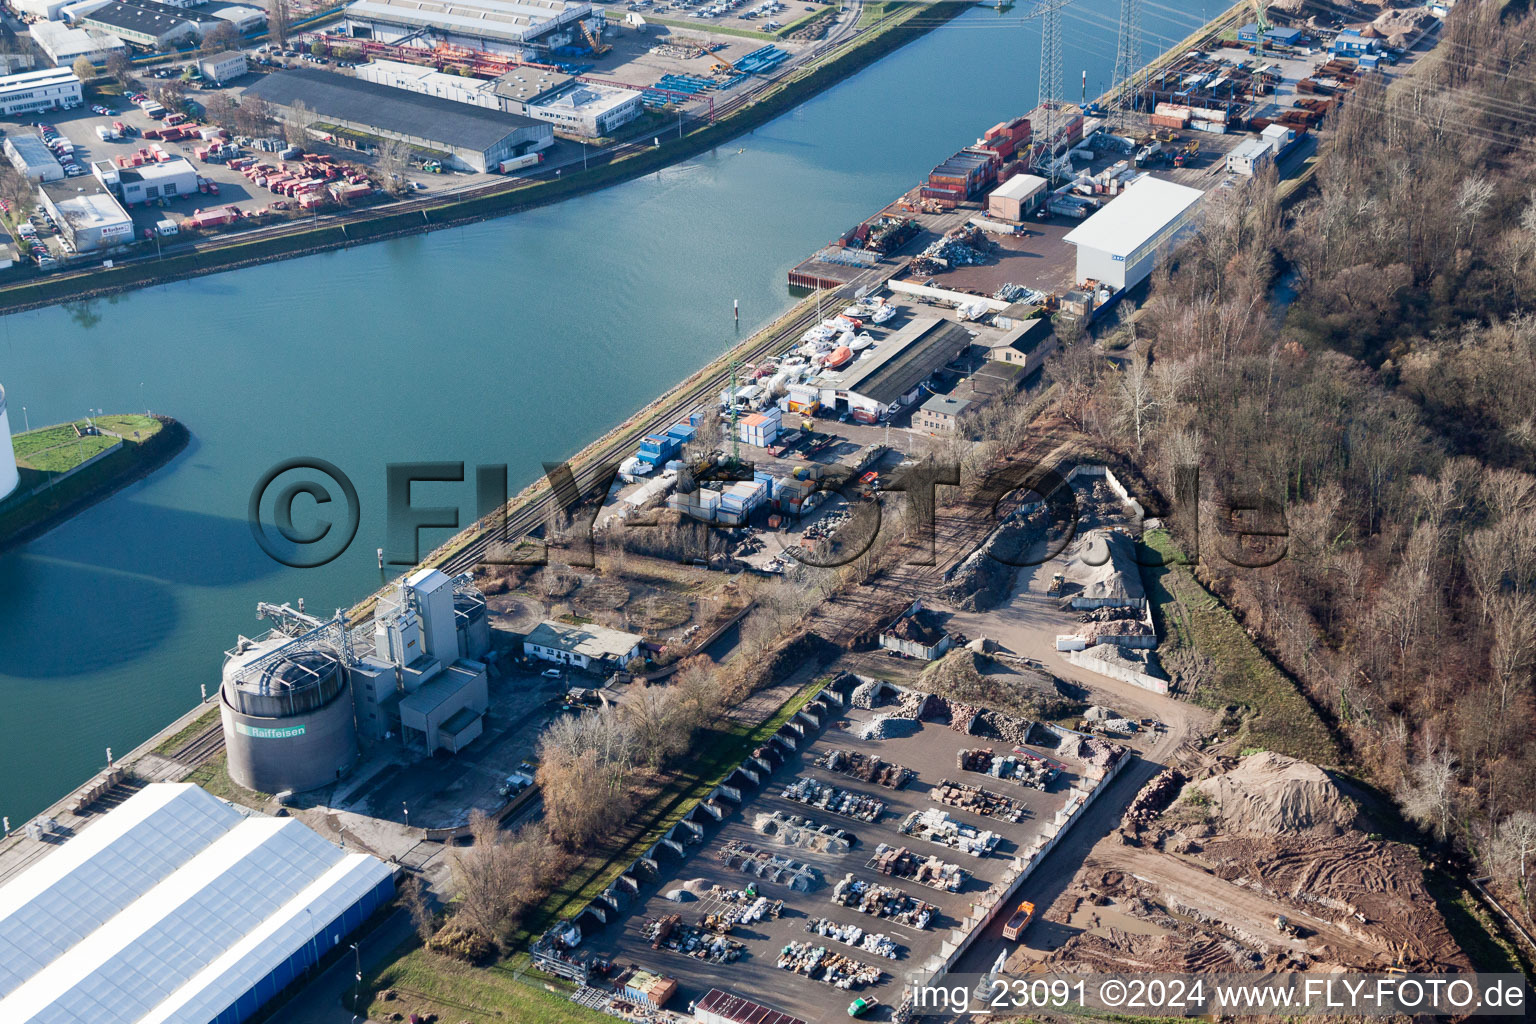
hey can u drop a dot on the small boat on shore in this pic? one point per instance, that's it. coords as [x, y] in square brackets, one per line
[838, 358]
[882, 313]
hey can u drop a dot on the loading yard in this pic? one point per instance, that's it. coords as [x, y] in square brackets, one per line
[904, 904]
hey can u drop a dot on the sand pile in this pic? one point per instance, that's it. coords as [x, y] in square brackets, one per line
[1268, 793]
[1398, 26]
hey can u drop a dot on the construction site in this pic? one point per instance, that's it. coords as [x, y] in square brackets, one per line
[1255, 863]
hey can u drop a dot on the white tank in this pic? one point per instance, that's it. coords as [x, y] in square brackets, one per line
[8, 475]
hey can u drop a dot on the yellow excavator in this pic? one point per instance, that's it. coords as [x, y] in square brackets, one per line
[594, 40]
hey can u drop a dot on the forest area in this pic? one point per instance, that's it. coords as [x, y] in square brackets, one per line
[1388, 414]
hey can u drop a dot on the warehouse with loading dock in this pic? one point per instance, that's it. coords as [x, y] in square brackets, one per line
[467, 137]
[1118, 245]
[892, 374]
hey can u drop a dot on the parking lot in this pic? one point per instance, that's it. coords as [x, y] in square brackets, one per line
[929, 752]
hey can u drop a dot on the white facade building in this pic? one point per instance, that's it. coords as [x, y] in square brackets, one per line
[32, 158]
[9, 478]
[1118, 245]
[171, 179]
[1250, 156]
[65, 45]
[45, 89]
[222, 67]
[86, 214]
[588, 647]
[593, 111]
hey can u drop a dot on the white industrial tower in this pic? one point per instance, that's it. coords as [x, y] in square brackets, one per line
[9, 478]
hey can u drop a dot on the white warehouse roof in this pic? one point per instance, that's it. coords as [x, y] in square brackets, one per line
[169, 909]
[1135, 217]
[1020, 186]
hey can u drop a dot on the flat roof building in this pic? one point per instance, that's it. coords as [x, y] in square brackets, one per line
[29, 155]
[721, 1007]
[65, 45]
[1118, 245]
[590, 646]
[175, 907]
[245, 17]
[171, 179]
[222, 67]
[894, 371]
[86, 213]
[574, 107]
[44, 89]
[499, 26]
[148, 23]
[472, 138]
[1250, 156]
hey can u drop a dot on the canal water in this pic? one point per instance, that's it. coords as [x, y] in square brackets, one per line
[512, 341]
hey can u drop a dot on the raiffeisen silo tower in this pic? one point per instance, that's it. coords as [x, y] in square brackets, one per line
[8, 475]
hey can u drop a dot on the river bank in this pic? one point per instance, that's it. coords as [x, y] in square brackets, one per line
[57, 496]
[517, 196]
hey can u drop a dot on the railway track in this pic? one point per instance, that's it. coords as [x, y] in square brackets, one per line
[202, 748]
[524, 519]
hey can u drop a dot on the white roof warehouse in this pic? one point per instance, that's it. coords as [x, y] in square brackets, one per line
[474, 138]
[501, 26]
[1119, 244]
[176, 908]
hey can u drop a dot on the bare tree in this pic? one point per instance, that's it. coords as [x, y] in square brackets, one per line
[223, 36]
[296, 124]
[393, 158]
[119, 67]
[413, 896]
[277, 21]
[1428, 794]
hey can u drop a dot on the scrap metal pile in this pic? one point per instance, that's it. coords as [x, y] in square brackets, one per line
[821, 964]
[748, 859]
[901, 862]
[670, 933]
[882, 901]
[806, 790]
[793, 830]
[866, 768]
[877, 943]
[1024, 770]
[740, 906]
[964, 246]
[977, 800]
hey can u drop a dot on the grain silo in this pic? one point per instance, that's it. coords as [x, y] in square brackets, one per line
[287, 710]
[8, 476]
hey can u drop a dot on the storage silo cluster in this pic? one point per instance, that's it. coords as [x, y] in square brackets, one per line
[9, 478]
[300, 701]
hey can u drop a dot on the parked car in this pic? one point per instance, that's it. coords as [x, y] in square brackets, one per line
[550, 673]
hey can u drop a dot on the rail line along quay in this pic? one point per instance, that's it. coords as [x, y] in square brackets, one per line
[798, 693]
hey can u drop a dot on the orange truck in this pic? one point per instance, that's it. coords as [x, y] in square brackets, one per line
[1019, 921]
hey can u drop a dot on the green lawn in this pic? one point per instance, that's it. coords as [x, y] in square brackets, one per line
[58, 449]
[1273, 713]
[214, 777]
[427, 983]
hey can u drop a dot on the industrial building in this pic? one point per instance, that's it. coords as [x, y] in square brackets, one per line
[1118, 245]
[222, 67]
[149, 23]
[298, 701]
[591, 647]
[1018, 197]
[44, 89]
[468, 137]
[916, 633]
[512, 27]
[1023, 345]
[65, 45]
[1250, 156]
[574, 107]
[43, 10]
[893, 373]
[148, 183]
[940, 414]
[244, 17]
[1350, 43]
[1250, 33]
[29, 155]
[178, 908]
[9, 476]
[86, 213]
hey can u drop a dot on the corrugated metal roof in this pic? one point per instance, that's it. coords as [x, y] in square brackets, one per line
[395, 110]
[168, 910]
